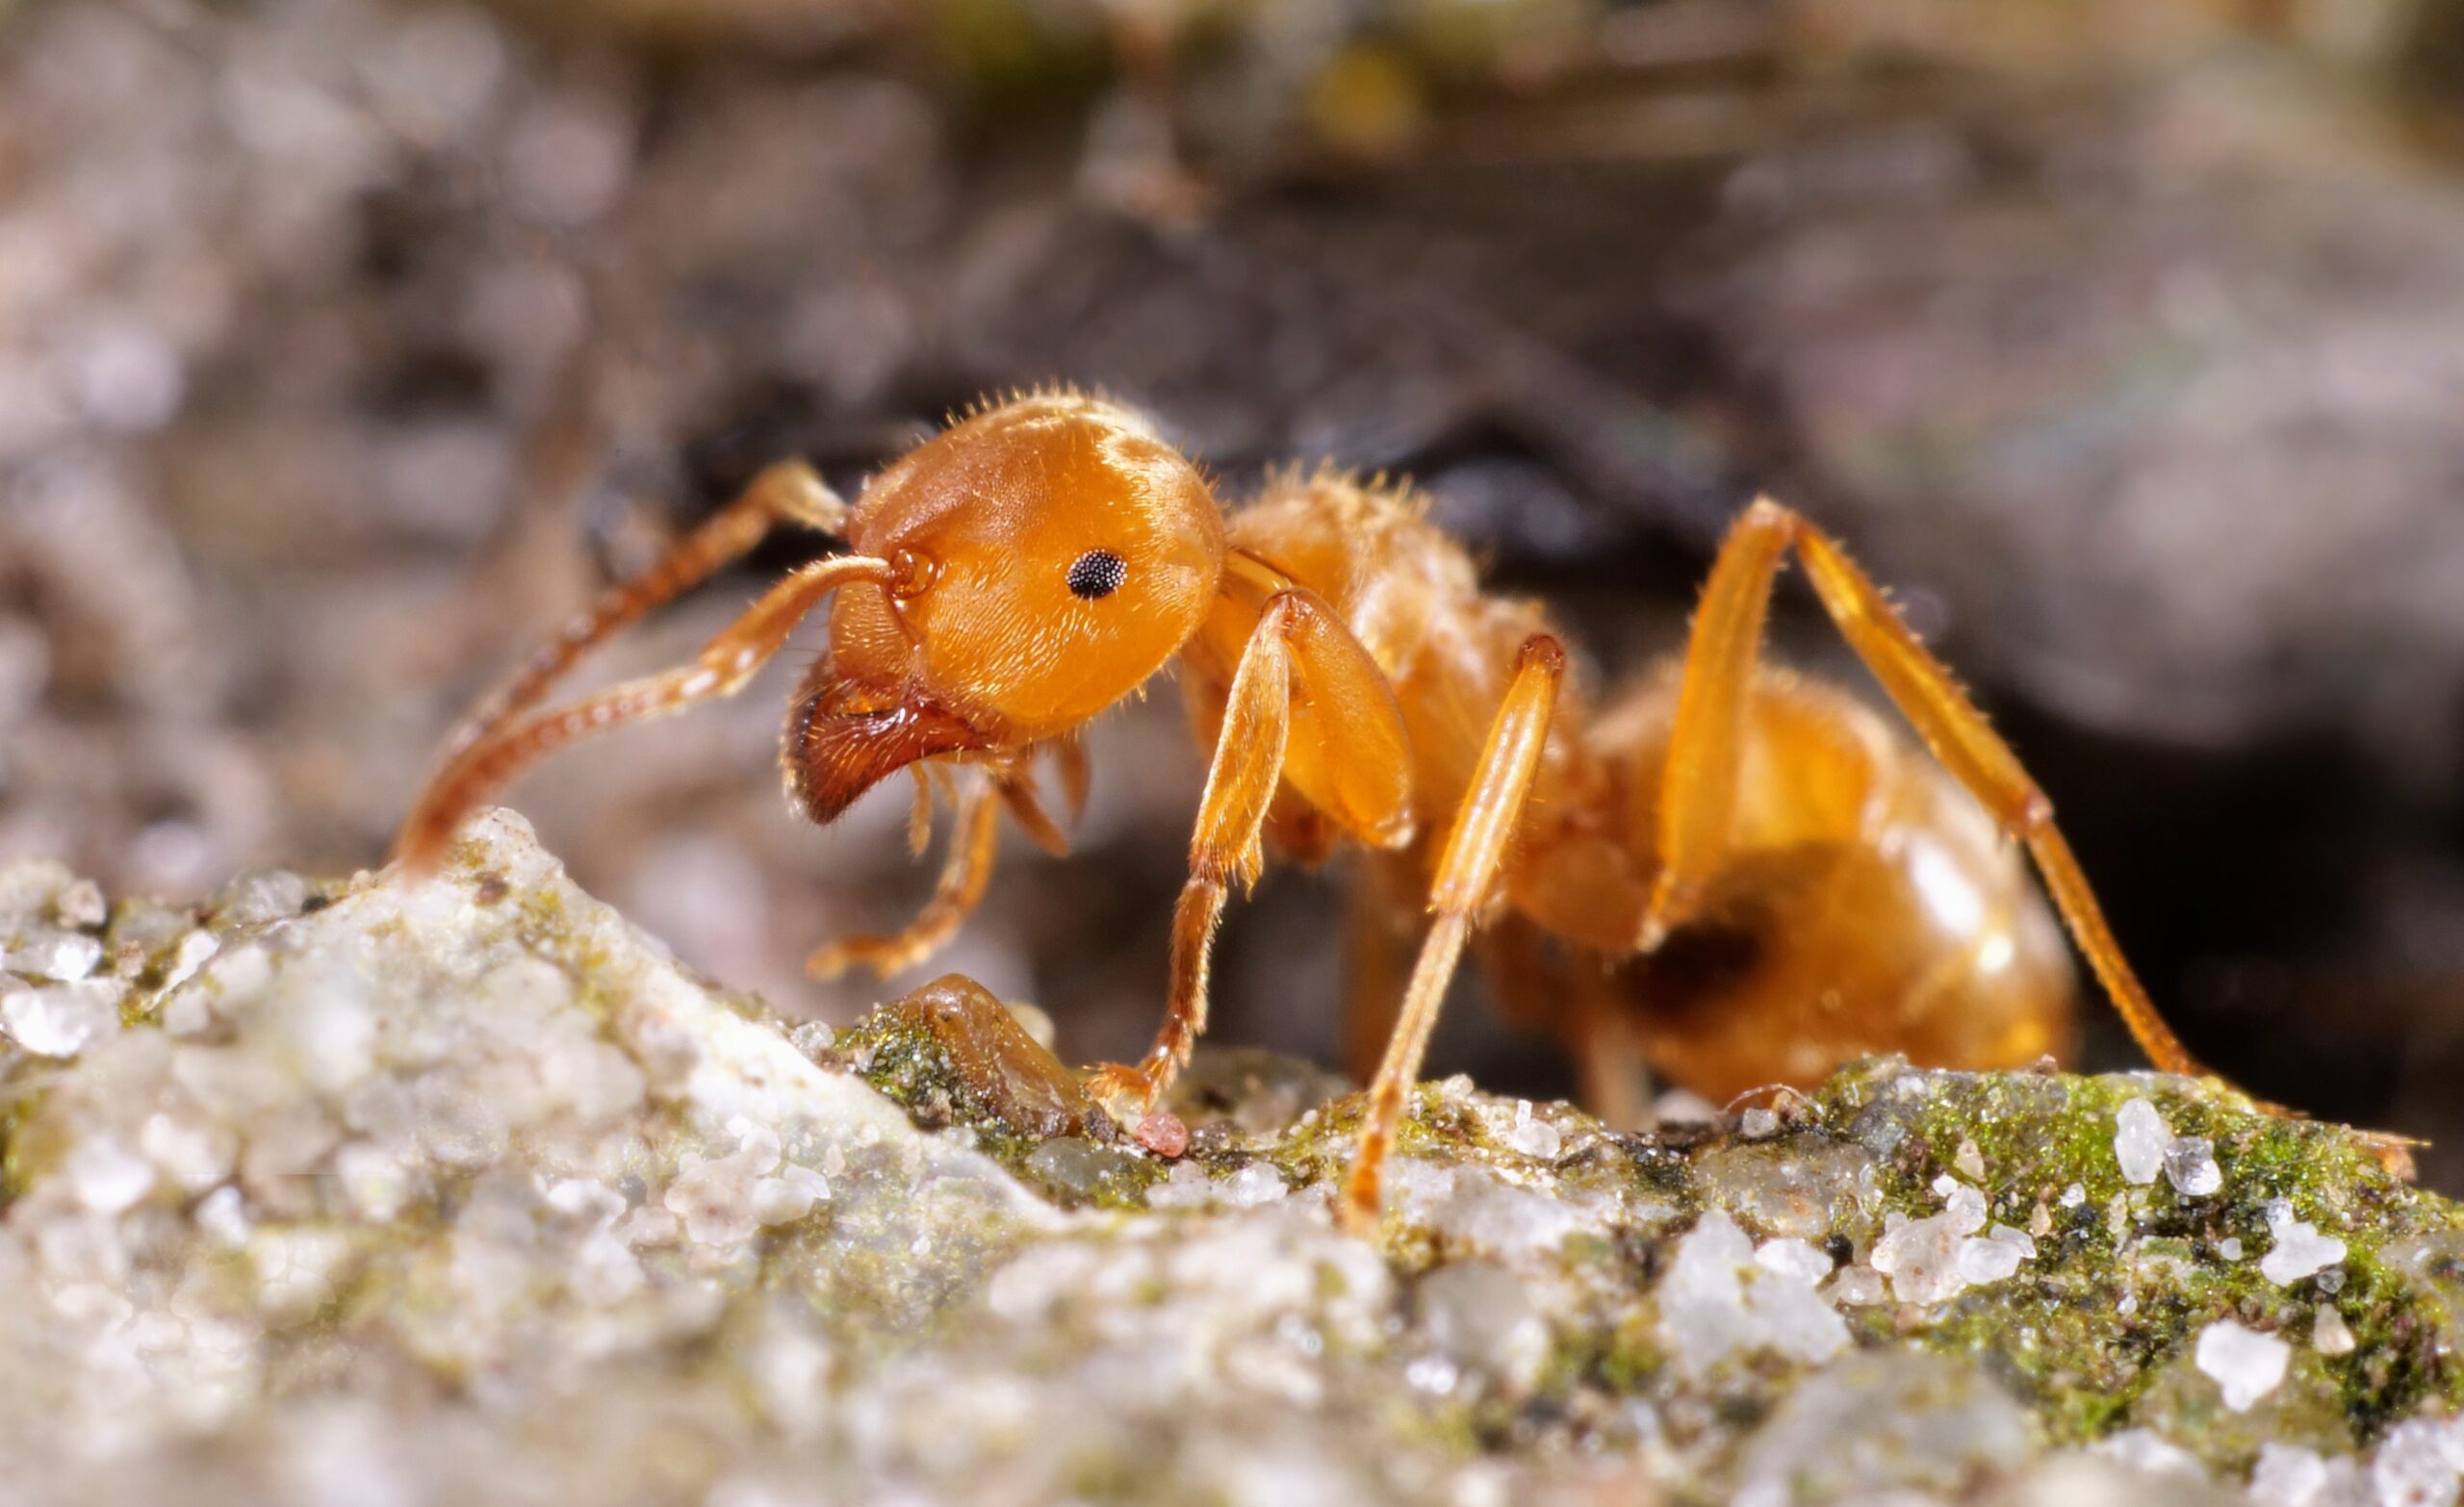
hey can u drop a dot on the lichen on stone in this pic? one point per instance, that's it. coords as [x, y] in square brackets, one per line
[464, 1191]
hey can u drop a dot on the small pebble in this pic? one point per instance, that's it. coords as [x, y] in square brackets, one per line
[2288, 1475]
[81, 905]
[2244, 1364]
[1532, 1136]
[106, 1176]
[1185, 1186]
[2299, 1250]
[1856, 1286]
[789, 1196]
[2141, 1138]
[223, 1218]
[2414, 1466]
[2329, 1334]
[649, 1225]
[2146, 1452]
[1685, 1107]
[2190, 1166]
[1796, 1260]
[63, 1019]
[1930, 1259]
[1162, 1133]
[1722, 1296]
[1982, 1263]
[1258, 1182]
[189, 955]
[61, 956]
[261, 897]
[2019, 1240]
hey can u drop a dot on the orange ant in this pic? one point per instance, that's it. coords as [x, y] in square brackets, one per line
[1747, 875]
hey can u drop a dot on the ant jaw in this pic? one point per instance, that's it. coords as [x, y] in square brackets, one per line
[835, 754]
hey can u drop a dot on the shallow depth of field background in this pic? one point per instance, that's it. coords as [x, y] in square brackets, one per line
[346, 346]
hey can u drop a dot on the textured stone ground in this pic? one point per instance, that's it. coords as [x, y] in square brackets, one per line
[347, 347]
[375, 1194]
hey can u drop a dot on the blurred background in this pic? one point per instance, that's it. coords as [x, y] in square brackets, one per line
[345, 346]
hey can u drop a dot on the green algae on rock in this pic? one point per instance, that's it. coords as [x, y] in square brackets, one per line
[465, 1191]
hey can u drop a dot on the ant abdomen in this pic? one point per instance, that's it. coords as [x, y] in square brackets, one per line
[1812, 956]
[1866, 904]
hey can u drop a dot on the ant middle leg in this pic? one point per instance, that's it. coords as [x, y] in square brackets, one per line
[1377, 927]
[1474, 857]
[1614, 1072]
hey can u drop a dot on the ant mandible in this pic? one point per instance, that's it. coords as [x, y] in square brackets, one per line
[1734, 873]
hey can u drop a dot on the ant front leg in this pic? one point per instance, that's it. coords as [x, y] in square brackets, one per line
[513, 742]
[1476, 850]
[1298, 645]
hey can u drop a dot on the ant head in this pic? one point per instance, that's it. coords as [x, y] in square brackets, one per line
[1051, 552]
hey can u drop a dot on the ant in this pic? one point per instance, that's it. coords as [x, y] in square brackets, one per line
[1733, 873]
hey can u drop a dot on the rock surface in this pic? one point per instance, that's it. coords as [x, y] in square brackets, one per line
[464, 1191]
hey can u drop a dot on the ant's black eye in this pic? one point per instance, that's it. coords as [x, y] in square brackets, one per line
[1099, 572]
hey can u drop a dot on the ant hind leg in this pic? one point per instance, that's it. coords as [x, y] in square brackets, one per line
[1375, 937]
[1949, 725]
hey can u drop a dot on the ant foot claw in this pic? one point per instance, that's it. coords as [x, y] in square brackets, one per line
[1359, 1207]
[2392, 1150]
[828, 962]
[1123, 1092]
